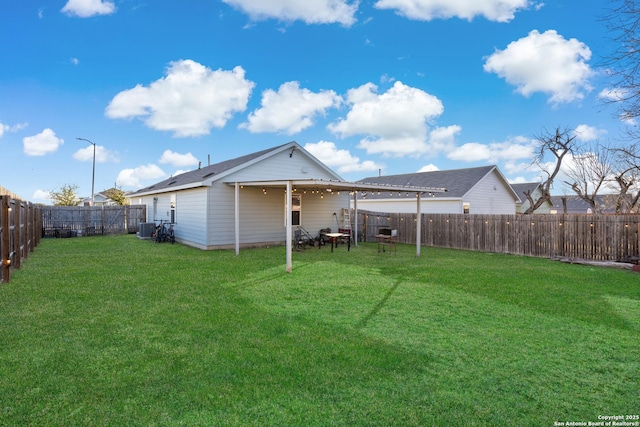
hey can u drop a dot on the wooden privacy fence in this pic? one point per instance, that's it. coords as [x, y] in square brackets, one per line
[72, 221]
[20, 231]
[589, 237]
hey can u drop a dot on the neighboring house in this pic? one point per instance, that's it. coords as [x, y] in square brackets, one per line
[575, 205]
[481, 190]
[534, 189]
[99, 199]
[243, 201]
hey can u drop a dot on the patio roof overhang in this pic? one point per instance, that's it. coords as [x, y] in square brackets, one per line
[339, 185]
[329, 185]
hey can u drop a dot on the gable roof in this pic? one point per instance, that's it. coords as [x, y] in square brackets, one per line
[523, 187]
[204, 176]
[458, 182]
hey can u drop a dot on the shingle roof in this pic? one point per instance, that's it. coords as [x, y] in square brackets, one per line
[605, 202]
[524, 186]
[458, 182]
[204, 173]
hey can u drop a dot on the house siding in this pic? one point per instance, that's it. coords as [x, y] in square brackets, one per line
[281, 166]
[262, 216]
[408, 205]
[191, 216]
[491, 196]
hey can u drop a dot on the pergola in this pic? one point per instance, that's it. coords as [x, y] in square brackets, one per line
[329, 186]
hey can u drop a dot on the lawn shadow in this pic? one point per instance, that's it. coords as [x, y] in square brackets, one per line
[374, 312]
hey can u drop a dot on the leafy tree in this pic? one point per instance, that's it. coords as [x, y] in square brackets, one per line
[559, 144]
[117, 195]
[65, 196]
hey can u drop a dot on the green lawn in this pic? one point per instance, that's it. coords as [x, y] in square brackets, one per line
[119, 331]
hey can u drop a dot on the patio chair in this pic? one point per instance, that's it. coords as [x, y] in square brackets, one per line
[348, 237]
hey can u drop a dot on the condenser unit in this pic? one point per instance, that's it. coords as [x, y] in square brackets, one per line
[146, 230]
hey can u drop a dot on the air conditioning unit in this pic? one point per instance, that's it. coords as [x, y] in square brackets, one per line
[146, 230]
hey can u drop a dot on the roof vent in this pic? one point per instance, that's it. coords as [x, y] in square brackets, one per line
[172, 182]
[208, 175]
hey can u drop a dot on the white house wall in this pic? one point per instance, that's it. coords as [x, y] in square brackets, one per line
[158, 206]
[408, 205]
[190, 216]
[281, 167]
[491, 196]
[262, 216]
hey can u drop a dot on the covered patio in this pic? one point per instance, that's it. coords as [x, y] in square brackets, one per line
[328, 187]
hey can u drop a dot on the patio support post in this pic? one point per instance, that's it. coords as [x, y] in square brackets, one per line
[418, 224]
[355, 218]
[237, 218]
[289, 234]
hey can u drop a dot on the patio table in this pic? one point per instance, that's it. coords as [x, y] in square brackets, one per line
[333, 237]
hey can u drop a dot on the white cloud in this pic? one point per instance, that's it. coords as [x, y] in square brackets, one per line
[177, 159]
[588, 133]
[426, 10]
[309, 11]
[546, 63]
[43, 143]
[289, 110]
[75, 61]
[443, 139]
[395, 122]
[189, 101]
[341, 160]
[102, 155]
[470, 152]
[41, 195]
[87, 8]
[134, 177]
[614, 94]
[508, 152]
[6, 128]
[429, 168]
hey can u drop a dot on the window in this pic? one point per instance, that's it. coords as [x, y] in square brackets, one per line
[466, 208]
[173, 209]
[296, 209]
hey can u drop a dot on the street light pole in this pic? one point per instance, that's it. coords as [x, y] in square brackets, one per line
[93, 173]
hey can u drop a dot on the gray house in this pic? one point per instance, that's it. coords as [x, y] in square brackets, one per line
[481, 190]
[254, 200]
[573, 204]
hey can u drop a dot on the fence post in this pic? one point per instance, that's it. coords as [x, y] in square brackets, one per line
[5, 253]
[17, 233]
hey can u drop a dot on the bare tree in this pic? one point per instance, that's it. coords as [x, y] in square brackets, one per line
[623, 63]
[589, 172]
[558, 144]
[627, 177]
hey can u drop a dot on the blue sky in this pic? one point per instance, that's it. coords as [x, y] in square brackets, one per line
[396, 86]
